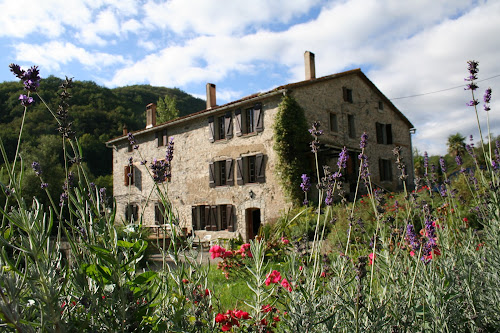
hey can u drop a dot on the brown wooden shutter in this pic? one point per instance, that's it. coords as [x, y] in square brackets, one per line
[165, 137]
[237, 123]
[211, 129]
[229, 172]
[157, 137]
[230, 220]
[259, 166]
[213, 218]
[126, 171]
[380, 137]
[207, 218]
[211, 174]
[258, 118]
[132, 171]
[239, 171]
[388, 129]
[194, 218]
[228, 125]
[344, 93]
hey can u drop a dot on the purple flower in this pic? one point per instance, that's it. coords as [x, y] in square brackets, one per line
[458, 160]
[315, 132]
[364, 139]
[160, 170]
[487, 98]
[37, 168]
[131, 139]
[26, 100]
[30, 78]
[426, 160]
[343, 157]
[442, 164]
[329, 196]
[43, 186]
[102, 194]
[170, 150]
[473, 70]
[473, 102]
[306, 183]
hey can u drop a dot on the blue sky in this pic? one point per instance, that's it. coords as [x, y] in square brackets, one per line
[405, 47]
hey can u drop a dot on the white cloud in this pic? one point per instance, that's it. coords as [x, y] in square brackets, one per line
[222, 17]
[52, 55]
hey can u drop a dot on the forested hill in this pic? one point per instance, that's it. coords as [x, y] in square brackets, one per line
[98, 114]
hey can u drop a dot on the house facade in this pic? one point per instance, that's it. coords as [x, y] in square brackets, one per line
[223, 181]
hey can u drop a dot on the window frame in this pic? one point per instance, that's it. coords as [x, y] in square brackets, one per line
[384, 133]
[351, 126]
[385, 170]
[133, 210]
[334, 125]
[213, 217]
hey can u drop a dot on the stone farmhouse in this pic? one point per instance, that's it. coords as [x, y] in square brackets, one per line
[223, 181]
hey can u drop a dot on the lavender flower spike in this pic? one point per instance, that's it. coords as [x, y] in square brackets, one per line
[37, 168]
[306, 183]
[487, 99]
[364, 139]
[343, 157]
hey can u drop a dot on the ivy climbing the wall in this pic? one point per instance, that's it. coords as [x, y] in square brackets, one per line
[291, 139]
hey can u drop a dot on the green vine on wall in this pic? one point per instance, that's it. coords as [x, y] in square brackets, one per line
[291, 139]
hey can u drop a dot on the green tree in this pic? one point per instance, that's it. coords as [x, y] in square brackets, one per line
[166, 109]
[456, 144]
[291, 139]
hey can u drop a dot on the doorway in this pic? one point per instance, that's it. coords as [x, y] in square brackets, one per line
[252, 217]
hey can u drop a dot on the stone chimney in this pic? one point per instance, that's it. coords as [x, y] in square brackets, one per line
[150, 115]
[211, 100]
[125, 129]
[309, 64]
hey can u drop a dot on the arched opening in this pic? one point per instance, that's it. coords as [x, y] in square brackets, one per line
[252, 217]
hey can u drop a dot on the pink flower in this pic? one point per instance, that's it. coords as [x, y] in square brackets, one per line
[323, 274]
[273, 277]
[371, 256]
[412, 253]
[286, 285]
[285, 241]
[217, 251]
[301, 268]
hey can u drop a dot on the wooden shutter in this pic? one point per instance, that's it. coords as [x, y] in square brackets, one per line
[135, 212]
[388, 129]
[132, 171]
[259, 168]
[258, 118]
[229, 172]
[126, 171]
[194, 218]
[380, 137]
[207, 218]
[230, 220]
[239, 171]
[213, 218]
[211, 174]
[344, 93]
[237, 123]
[158, 139]
[164, 137]
[211, 129]
[228, 125]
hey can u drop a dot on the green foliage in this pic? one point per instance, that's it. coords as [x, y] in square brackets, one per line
[290, 143]
[166, 109]
[456, 144]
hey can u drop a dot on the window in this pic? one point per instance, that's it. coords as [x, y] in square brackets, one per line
[131, 213]
[385, 167]
[384, 133]
[221, 173]
[220, 127]
[249, 120]
[351, 129]
[213, 217]
[250, 169]
[161, 138]
[334, 126]
[380, 105]
[160, 217]
[347, 93]
[128, 175]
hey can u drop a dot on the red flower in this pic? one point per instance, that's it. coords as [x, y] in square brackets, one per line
[286, 285]
[371, 257]
[412, 253]
[240, 314]
[185, 281]
[323, 274]
[285, 241]
[226, 327]
[267, 308]
[220, 318]
[479, 246]
[273, 277]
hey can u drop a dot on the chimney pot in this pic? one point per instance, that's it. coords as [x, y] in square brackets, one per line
[211, 99]
[125, 130]
[310, 66]
[150, 115]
